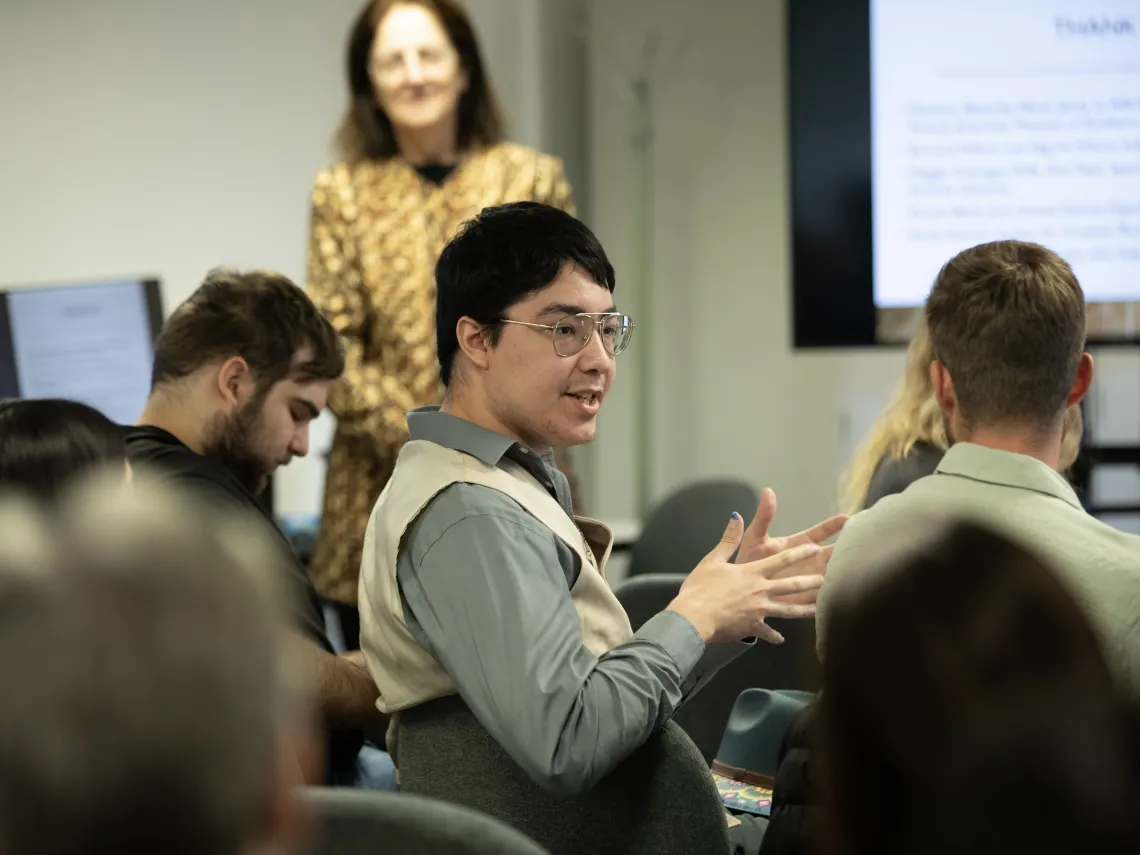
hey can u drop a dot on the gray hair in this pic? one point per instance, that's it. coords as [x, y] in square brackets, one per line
[141, 654]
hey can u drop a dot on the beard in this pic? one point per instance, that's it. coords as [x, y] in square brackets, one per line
[233, 443]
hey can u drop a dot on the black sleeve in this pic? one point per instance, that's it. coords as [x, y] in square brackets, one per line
[794, 798]
[301, 596]
[895, 475]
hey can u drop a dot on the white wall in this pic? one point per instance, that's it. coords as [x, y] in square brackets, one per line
[155, 136]
[731, 397]
[163, 137]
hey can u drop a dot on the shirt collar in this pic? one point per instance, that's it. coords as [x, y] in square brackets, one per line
[992, 466]
[434, 425]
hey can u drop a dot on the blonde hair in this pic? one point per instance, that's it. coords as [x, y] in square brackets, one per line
[912, 416]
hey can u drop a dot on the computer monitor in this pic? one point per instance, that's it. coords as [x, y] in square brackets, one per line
[89, 342]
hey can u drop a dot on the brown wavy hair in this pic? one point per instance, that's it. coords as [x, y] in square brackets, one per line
[365, 132]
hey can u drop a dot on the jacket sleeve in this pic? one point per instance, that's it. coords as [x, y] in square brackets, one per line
[366, 401]
[795, 802]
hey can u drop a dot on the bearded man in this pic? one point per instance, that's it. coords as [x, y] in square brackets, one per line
[241, 369]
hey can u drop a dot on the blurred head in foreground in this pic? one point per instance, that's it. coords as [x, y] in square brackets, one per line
[147, 708]
[950, 626]
[1053, 775]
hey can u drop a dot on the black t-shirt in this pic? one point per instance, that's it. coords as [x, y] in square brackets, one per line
[436, 173]
[167, 458]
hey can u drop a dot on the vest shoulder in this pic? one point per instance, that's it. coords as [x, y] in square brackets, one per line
[484, 510]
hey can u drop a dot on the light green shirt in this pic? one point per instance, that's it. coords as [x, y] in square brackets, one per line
[1027, 500]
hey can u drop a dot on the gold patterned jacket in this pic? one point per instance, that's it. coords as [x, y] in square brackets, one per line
[377, 230]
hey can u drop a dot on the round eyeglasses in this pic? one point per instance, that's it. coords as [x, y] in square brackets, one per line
[572, 333]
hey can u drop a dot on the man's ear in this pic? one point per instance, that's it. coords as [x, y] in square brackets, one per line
[1082, 382]
[943, 386]
[235, 383]
[474, 342]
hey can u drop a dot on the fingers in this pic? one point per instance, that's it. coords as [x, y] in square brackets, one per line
[766, 633]
[729, 541]
[791, 611]
[793, 585]
[765, 513]
[807, 598]
[820, 532]
[776, 565]
[817, 564]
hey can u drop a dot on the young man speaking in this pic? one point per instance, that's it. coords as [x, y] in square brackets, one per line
[477, 581]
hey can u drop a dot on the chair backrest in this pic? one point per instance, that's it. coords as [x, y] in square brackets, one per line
[361, 822]
[791, 665]
[660, 801]
[685, 526]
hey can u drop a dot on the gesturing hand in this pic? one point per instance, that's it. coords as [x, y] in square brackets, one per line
[758, 544]
[726, 601]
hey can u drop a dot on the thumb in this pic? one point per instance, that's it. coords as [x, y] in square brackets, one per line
[729, 541]
[765, 511]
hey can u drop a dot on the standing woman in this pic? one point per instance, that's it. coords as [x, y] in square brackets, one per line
[421, 150]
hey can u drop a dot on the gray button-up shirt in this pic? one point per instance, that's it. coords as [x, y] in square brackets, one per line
[486, 590]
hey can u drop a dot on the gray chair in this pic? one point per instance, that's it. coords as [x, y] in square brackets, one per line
[660, 801]
[791, 665]
[358, 822]
[681, 530]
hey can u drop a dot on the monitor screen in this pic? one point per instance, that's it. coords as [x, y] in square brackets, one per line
[92, 343]
[921, 128]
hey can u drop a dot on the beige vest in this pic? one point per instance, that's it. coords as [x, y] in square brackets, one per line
[405, 673]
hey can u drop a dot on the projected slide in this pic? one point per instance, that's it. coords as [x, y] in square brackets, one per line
[1000, 119]
[90, 344]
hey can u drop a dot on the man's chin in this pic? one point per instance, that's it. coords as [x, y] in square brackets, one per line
[580, 435]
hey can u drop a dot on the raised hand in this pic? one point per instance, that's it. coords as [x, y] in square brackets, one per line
[727, 602]
[759, 544]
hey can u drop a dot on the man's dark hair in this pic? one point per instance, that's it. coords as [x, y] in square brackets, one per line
[46, 443]
[1007, 320]
[260, 316]
[501, 257]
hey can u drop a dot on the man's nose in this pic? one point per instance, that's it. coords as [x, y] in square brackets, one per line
[595, 356]
[299, 446]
